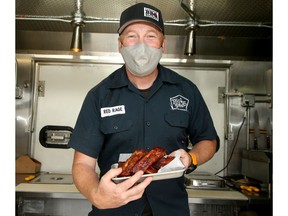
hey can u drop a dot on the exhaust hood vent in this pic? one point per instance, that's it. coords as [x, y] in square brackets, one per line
[244, 18]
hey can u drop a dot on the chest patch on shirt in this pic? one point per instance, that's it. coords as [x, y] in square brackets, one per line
[110, 111]
[179, 103]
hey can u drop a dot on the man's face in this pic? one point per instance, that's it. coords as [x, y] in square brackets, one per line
[141, 32]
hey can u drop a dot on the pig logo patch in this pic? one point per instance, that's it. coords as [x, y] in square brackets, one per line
[179, 103]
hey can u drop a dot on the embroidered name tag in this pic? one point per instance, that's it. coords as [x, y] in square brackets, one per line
[110, 111]
[179, 103]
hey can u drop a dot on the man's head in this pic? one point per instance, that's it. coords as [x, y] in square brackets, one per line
[141, 12]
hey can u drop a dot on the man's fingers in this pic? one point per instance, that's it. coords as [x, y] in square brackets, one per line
[137, 190]
[132, 180]
[112, 173]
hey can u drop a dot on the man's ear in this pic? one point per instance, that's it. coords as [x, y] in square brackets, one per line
[119, 44]
[164, 46]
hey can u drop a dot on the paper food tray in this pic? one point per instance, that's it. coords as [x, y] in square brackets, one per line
[155, 176]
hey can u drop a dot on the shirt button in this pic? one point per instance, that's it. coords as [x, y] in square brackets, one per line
[148, 123]
[116, 127]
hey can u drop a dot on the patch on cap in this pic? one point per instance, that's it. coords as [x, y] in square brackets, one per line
[141, 12]
[148, 12]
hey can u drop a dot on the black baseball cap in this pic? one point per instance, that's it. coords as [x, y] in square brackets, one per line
[141, 12]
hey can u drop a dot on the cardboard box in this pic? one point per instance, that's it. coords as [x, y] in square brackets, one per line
[25, 164]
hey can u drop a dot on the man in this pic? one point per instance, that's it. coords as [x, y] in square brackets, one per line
[139, 106]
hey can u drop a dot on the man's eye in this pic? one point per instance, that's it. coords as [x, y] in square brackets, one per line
[131, 36]
[151, 36]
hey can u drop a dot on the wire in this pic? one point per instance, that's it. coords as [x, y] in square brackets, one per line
[236, 140]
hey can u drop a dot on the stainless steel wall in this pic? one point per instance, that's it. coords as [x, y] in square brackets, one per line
[255, 80]
[24, 95]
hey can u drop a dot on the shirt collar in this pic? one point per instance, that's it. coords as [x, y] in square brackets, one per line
[166, 75]
[120, 78]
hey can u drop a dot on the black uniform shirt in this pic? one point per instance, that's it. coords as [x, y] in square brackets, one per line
[116, 118]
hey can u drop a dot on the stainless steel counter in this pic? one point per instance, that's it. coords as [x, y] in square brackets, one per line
[220, 197]
[50, 192]
[64, 191]
[55, 185]
[70, 191]
[65, 199]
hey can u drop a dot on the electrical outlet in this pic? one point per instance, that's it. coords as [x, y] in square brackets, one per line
[230, 136]
[248, 101]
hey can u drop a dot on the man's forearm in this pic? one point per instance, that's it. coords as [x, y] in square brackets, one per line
[86, 180]
[204, 150]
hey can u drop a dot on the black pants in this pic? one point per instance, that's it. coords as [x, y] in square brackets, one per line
[147, 210]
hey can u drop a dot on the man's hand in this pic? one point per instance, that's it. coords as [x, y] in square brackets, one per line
[203, 151]
[184, 157]
[111, 195]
